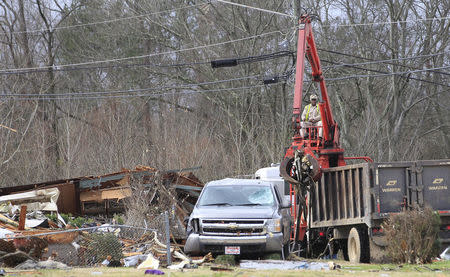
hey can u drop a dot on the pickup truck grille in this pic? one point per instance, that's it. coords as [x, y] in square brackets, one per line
[232, 227]
[242, 231]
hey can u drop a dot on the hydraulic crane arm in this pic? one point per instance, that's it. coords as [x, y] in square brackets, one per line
[305, 158]
[306, 46]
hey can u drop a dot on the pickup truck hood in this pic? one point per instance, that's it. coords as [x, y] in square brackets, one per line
[233, 212]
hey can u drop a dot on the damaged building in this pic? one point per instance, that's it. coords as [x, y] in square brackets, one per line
[106, 194]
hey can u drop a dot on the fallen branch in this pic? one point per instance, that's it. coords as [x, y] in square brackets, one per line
[18, 253]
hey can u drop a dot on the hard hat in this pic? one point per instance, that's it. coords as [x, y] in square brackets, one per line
[313, 96]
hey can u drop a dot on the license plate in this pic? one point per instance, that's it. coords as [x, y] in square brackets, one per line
[232, 250]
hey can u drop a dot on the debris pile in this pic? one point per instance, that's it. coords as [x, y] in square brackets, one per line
[104, 194]
[32, 230]
[149, 252]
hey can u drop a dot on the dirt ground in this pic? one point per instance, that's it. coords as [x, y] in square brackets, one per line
[441, 268]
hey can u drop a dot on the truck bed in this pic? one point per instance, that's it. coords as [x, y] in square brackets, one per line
[369, 192]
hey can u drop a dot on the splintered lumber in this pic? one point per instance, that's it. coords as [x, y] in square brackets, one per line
[130, 254]
[7, 226]
[6, 220]
[54, 236]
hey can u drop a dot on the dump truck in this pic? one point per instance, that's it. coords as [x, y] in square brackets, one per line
[348, 204]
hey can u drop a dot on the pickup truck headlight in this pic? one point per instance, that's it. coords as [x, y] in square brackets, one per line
[273, 225]
[195, 225]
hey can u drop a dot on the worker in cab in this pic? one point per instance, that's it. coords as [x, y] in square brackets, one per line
[311, 116]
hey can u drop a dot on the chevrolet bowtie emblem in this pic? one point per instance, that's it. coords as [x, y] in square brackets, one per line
[232, 226]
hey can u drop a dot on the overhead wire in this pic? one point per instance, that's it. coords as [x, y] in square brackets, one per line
[208, 2]
[61, 67]
[240, 60]
[387, 61]
[133, 92]
[144, 56]
[384, 72]
[380, 71]
[107, 21]
[181, 86]
[387, 22]
[387, 74]
[137, 95]
[128, 65]
[255, 58]
[267, 80]
[337, 65]
[254, 8]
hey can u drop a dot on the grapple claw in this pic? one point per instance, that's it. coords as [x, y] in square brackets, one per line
[286, 170]
[309, 167]
[315, 168]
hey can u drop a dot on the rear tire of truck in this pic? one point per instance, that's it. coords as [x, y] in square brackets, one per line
[358, 245]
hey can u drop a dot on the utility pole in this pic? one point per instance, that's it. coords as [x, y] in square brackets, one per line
[298, 9]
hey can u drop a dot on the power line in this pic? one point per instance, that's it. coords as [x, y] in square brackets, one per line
[379, 71]
[105, 21]
[388, 22]
[186, 86]
[386, 61]
[141, 56]
[127, 93]
[104, 67]
[248, 59]
[240, 60]
[255, 8]
[138, 95]
[385, 74]
[389, 60]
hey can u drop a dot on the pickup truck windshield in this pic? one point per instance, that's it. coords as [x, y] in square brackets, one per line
[237, 195]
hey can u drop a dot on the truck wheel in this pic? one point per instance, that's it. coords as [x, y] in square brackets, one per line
[358, 245]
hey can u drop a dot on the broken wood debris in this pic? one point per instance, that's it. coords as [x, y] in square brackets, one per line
[94, 195]
[39, 230]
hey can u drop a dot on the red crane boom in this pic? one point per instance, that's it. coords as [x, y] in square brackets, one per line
[325, 151]
[305, 158]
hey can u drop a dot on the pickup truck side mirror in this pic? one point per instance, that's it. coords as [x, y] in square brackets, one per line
[285, 204]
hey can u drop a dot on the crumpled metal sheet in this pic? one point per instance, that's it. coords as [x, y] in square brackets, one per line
[36, 200]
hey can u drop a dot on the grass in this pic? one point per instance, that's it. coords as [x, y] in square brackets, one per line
[443, 266]
[227, 260]
[438, 269]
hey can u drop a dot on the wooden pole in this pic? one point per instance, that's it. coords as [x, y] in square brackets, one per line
[23, 217]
